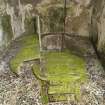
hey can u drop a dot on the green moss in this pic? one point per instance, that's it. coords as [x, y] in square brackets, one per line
[65, 69]
[29, 50]
[44, 95]
[43, 83]
[65, 72]
[58, 97]
[44, 99]
[38, 74]
[65, 62]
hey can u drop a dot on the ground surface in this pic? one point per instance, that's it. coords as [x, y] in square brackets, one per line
[25, 89]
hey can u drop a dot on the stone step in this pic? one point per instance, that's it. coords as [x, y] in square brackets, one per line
[62, 97]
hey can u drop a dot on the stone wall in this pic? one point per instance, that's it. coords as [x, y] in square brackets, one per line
[6, 34]
[78, 16]
[83, 17]
[52, 42]
[98, 24]
[21, 13]
[17, 17]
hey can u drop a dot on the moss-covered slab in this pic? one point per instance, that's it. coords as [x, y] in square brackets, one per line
[65, 72]
[29, 50]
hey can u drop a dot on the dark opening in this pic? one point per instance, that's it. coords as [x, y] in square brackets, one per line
[35, 24]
